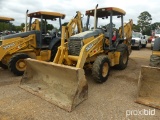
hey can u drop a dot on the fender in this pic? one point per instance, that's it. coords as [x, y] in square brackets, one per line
[54, 42]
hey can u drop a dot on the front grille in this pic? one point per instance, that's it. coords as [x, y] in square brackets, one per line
[132, 41]
[74, 47]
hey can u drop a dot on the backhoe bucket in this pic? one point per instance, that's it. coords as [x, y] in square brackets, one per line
[62, 85]
[149, 87]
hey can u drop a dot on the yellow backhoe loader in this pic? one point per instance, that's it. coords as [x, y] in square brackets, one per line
[6, 20]
[35, 43]
[62, 82]
[149, 80]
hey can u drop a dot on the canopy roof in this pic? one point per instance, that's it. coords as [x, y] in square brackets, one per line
[104, 12]
[5, 19]
[46, 15]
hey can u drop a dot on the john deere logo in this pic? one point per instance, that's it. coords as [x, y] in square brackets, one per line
[8, 46]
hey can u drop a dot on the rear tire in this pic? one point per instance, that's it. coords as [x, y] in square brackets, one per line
[101, 68]
[17, 64]
[123, 60]
[154, 61]
[3, 65]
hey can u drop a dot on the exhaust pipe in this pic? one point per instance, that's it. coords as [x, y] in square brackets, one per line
[26, 21]
[95, 17]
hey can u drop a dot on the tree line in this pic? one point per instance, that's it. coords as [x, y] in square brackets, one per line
[144, 25]
[10, 26]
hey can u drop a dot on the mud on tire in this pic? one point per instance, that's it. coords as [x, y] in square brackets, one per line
[101, 68]
[14, 63]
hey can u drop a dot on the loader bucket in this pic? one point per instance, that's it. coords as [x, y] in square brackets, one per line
[62, 85]
[149, 87]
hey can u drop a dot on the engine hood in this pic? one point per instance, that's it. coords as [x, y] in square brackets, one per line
[87, 34]
[23, 34]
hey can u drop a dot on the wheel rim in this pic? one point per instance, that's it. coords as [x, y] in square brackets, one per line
[125, 57]
[21, 65]
[105, 69]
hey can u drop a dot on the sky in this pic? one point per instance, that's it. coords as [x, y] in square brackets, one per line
[17, 8]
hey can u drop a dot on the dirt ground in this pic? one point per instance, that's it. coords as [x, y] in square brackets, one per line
[112, 100]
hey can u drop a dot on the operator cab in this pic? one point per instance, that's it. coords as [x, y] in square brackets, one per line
[44, 37]
[104, 13]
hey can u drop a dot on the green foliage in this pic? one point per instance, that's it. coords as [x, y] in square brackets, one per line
[9, 26]
[155, 25]
[4, 26]
[50, 26]
[108, 25]
[147, 31]
[22, 25]
[136, 28]
[144, 20]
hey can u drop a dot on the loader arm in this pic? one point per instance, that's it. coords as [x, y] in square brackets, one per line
[35, 25]
[67, 32]
[127, 31]
[90, 49]
[76, 21]
[16, 46]
[127, 34]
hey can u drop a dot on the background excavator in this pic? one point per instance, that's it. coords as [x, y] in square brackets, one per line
[34, 43]
[149, 80]
[62, 82]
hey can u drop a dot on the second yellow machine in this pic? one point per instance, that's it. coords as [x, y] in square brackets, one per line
[34, 43]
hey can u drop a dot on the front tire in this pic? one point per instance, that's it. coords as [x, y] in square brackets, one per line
[101, 68]
[17, 65]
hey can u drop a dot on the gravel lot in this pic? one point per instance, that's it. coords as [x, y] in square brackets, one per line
[112, 100]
